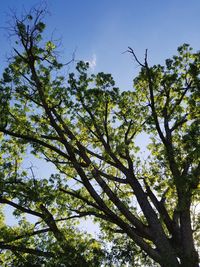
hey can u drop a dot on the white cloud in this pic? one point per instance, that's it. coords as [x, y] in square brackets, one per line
[93, 61]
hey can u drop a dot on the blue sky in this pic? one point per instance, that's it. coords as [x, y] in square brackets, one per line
[101, 30]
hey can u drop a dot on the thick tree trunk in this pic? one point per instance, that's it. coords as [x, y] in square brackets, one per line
[189, 254]
[192, 261]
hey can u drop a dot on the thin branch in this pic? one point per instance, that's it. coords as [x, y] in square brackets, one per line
[131, 51]
[181, 98]
[41, 231]
[106, 122]
[113, 178]
[78, 196]
[82, 214]
[179, 123]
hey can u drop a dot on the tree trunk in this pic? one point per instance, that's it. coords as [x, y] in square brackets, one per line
[189, 254]
[192, 261]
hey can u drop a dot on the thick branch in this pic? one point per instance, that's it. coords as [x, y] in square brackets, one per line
[172, 228]
[22, 249]
[34, 140]
[122, 208]
[25, 210]
[49, 220]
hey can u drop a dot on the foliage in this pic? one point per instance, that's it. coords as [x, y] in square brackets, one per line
[87, 128]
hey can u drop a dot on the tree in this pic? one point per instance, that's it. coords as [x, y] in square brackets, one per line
[87, 128]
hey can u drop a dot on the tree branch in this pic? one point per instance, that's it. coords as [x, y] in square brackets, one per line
[25, 210]
[22, 249]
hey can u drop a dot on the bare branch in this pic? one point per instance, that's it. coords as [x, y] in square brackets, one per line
[131, 51]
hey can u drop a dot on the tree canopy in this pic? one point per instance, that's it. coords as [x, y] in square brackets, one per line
[88, 128]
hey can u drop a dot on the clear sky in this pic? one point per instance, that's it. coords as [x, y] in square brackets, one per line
[101, 30]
